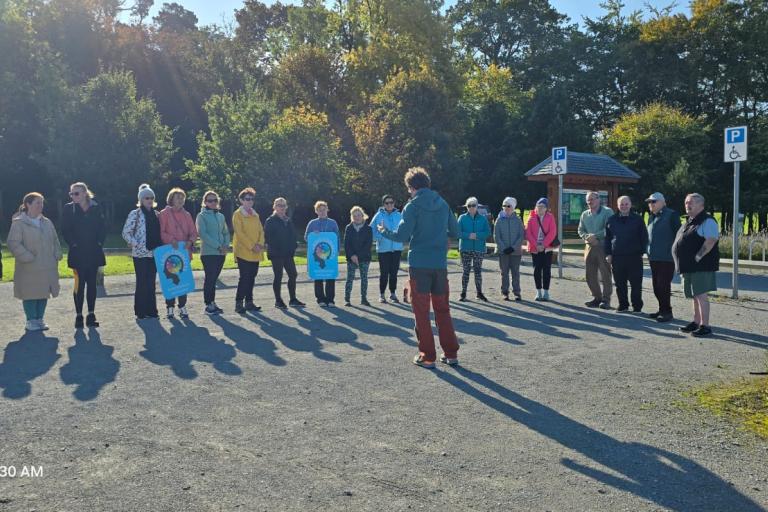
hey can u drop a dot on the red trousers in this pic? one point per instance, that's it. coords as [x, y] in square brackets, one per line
[432, 285]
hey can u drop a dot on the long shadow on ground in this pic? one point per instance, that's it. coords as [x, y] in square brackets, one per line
[91, 365]
[248, 342]
[662, 477]
[184, 344]
[24, 360]
[291, 337]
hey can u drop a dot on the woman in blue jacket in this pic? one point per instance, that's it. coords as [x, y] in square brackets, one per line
[214, 245]
[473, 230]
[389, 252]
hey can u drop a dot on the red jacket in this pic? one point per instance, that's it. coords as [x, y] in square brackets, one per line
[177, 227]
[532, 231]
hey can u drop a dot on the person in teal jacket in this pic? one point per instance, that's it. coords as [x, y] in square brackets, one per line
[473, 230]
[214, 244]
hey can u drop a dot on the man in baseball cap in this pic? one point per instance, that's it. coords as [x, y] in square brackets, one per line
[663, 224]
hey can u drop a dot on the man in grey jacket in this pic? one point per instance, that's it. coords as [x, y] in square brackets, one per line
[508, 232]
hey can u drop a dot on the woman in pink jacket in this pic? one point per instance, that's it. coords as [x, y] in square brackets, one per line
[540, 232]
[176, 225]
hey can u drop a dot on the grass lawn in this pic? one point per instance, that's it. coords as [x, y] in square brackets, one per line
[744, 401]
[121, 264]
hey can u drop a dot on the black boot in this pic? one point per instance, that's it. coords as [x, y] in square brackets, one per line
[90, 320]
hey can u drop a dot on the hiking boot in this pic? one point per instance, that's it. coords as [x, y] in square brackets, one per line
[420, 361]
[593, 303]
[450, 361]
[79, 324]
[690, 327]
[250, 306]
[702, 331]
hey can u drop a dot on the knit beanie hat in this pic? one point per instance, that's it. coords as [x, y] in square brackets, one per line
[145, 191]
[544, 201]
[511, 201]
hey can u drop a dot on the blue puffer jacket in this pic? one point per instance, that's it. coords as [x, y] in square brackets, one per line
[468, 225]
[390, 221]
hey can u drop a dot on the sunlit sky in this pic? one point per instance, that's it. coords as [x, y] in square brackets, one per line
[222, 11]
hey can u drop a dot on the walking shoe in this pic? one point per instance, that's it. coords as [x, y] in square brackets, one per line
[183, 313]
[31, 326]
[250, 306]
[690, 327]
[546, 295]
[218, 309]
[42, 325]
[90, 320]
[169, 315]
[518, 297]
[330, 304]
[622, 309]
[450, 361]
[393, 297]
[79, 324]
[322, 304]
[654, 315]
[211, 309]
[279, 304]
[505, 295]
[605, 305]
[463, 297]
[539, 296]
[482, 297]
[296, 303]
[239, 307]
[666, 317]
[382, 299]
[593, 303]
[637, 311]
[420, 361]
[365, 302]
[702, 331]
[347, 303]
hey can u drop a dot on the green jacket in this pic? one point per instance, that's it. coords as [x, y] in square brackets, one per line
[213, 231]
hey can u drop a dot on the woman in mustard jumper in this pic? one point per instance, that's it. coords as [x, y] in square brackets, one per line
[248, 248]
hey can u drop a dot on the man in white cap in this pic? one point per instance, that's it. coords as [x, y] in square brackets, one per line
[508, 233]
[663, 224]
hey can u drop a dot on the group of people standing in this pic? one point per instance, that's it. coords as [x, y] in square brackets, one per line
[614, 247]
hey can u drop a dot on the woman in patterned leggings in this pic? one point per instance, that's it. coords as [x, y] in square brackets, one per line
[473, 230]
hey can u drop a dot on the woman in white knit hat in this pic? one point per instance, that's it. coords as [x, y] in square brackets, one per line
[142, 232]
[509, 233]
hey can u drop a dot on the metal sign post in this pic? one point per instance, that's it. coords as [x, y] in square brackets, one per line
[560, 168]
[735, 150]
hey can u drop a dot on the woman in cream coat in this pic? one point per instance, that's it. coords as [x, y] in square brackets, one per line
[35, 245]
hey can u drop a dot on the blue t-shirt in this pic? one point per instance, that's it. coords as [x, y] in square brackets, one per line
[708, 229]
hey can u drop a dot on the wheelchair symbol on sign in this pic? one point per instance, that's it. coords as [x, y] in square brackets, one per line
[733, 155]
[558, 169]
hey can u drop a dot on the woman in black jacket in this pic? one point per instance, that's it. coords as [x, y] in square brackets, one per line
[280, 238]
[84, 231]
[358, 239]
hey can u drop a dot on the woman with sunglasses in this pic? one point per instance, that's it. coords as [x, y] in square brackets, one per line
[473, 230]
[540, 233]
[508, 232]
[248, 247]
[176, 225]
[142, 232]
[280, 236]
[84, 230]
[389, 252]
[214, 244]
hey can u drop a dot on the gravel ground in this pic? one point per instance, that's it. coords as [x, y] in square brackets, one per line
[555, 407]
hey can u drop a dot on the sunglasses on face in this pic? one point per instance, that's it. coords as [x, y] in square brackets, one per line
[506, 206]
[248, 198]
[281, 206]
[74, 194]
[652, 201]
[471, 206]
[212, 200]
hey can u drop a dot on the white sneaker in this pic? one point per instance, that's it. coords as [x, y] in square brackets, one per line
[183, 313]
[32, 325]
[170, 315]
[382, 299]
[393, 297]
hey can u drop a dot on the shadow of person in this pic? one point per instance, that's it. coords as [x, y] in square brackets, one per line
[291, 337]
[90, 367]
[249, 342]
[359, 320]
[184, 344]
[660, 476]
[322, 330]
[526, 321]
[24, 360]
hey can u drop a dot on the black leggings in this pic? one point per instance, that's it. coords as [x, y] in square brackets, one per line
[248, 272]
[85, 288]
[389, 265]
[144, 299]
[212, 265]
[278, 264]
[542, 269]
